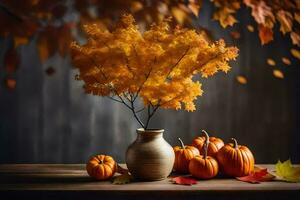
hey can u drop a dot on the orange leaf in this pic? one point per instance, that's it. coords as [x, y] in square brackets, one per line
[235, 35]
[10, 83]
[265, 34]
[295, 36]
[271, 62]
[250, 28]
[295, 53]
[297, 17]
[11, 60]
[184, 180]
[20, 41]
[286, 21]
[242, 80]
[179, 15]
[261, 12]
[286, 61]
[278, 74]
[194, 7]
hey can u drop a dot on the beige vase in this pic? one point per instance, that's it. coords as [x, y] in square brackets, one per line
[150, 157]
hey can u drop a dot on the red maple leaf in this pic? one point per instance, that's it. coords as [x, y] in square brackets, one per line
[261, 175]
[184, 180]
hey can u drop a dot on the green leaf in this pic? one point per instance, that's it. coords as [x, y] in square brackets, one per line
[287, 172]
[122, 179]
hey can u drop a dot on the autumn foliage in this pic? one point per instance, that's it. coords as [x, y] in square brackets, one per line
[158, 65]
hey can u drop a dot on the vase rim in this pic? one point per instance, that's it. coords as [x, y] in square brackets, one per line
[154, 130]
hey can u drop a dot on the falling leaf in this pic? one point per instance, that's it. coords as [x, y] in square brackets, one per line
[278, 74]
[122, 179]
[259, 175]
[286, 61]
[184, 180]
[136, 6]
[286, 21]
[250, 28]
[179, 15]
[194, 7]
[287, 172]
[242, 80]
[295, 36]
[297, 17]
[20, 41]
[295, 53]
[10, 83]
[225, 18]
[265, 34]
[261, 12]
[271, 62]
[11, 60]
[50, 71]
[235, 35]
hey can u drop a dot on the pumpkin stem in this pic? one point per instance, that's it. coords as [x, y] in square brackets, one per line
[235, 144]
[205, 143]
[181, 142]
[101, 161]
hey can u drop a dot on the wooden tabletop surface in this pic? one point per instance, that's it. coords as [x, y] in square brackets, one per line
[62, 177]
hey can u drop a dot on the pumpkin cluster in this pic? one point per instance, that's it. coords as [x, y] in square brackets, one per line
[207, 156]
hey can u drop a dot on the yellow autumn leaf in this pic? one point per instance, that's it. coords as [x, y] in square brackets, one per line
[122, 179]
[194, 8]
[277, 73]
[286, 171]
[250, 28]
[179, 15]
[271, 62]
[241, 80]
[286, 61]
[295, 53]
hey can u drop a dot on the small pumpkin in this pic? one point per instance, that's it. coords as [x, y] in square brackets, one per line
[204, 166]
[101, 167]
[235, 160]
[183, 155]
[213, 147]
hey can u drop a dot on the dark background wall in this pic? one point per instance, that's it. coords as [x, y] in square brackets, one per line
[48, 119]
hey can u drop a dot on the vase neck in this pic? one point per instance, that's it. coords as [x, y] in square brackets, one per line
[149, 134]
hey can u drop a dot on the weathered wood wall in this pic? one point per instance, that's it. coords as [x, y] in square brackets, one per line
[48, 119]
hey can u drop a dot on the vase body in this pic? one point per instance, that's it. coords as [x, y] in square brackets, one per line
[150, 157]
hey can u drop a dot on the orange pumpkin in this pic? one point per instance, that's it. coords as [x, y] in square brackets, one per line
[213, 147]
[204, 166]
[235, 160]
[183, 155]
[101, 167]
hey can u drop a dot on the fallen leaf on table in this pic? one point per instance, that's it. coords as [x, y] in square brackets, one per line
[122, 179]
[286, 171]
[184, 180]
[277, 73]
[259, 175]
[241, 79]
[250, 28]
[271, 62]
[286, 61]
[295, 53]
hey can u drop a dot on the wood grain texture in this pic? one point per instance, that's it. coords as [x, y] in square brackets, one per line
[60, 177]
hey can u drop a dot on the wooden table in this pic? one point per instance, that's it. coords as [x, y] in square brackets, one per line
[66, 181]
